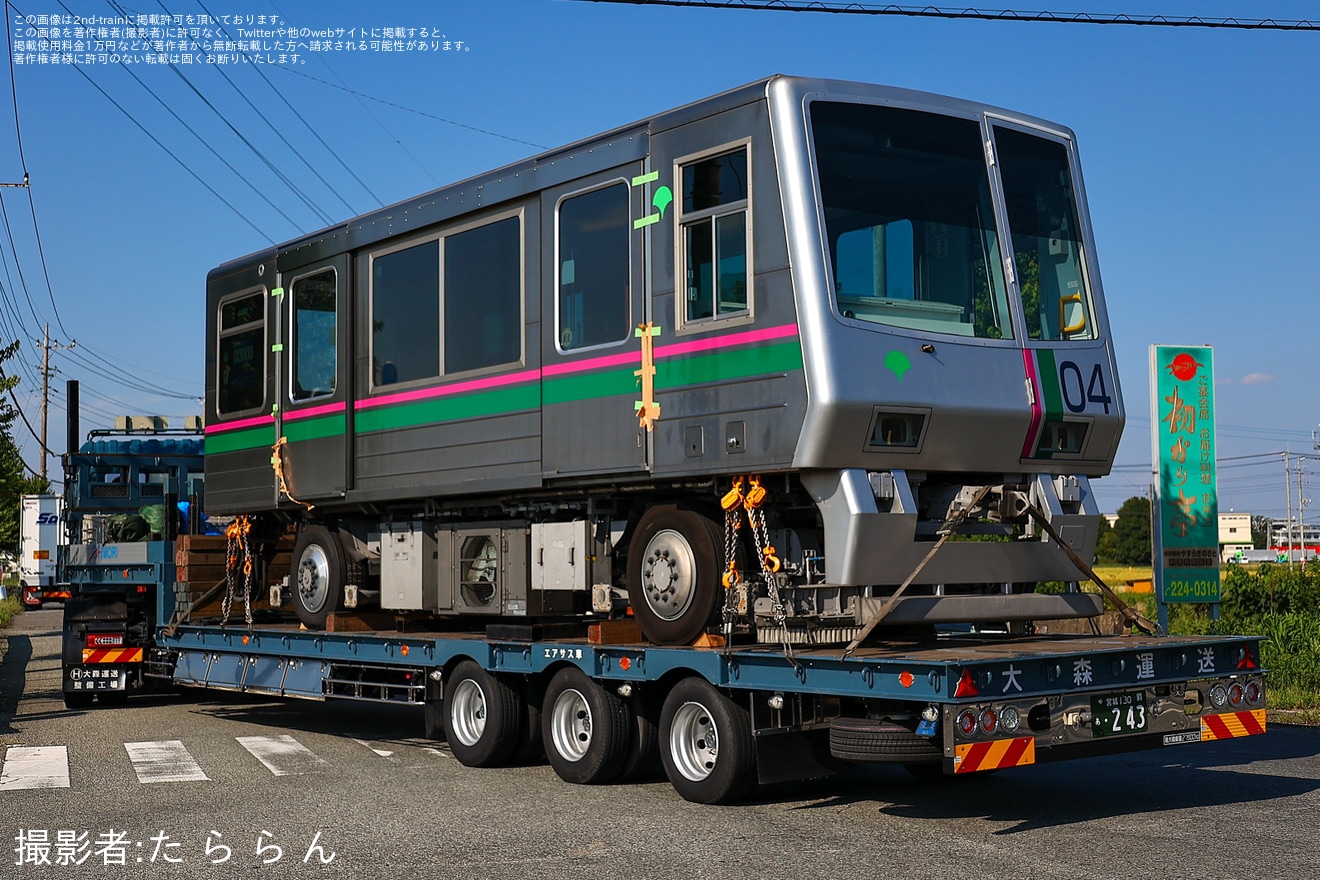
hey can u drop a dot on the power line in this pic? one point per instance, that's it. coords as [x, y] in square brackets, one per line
[841, 8]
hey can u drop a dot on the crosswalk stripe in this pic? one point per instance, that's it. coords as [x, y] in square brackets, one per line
[283, 755]
[384, 753]
[35, 767]
[166, 761]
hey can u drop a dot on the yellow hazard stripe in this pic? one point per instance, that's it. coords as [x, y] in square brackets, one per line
[1016, 752]
[112, 655]
[1231, 725]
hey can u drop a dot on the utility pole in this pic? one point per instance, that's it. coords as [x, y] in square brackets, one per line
[1287, 488]
[46, 347]
[1301, 511]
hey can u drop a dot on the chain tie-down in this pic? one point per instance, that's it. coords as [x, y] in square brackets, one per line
[238, 557]
[752, 502]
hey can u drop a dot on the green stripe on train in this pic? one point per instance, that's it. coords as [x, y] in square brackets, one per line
[248, 438]
[448, 409]
[332, 425]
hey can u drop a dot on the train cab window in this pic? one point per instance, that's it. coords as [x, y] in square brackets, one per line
[405, 314]
[909, 220]
[715, 236]
[241, 356]
[314, 340]
[1047, 239]
[483, 296]
[593, 268]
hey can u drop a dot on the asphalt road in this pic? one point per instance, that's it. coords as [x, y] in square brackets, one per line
[219, 770]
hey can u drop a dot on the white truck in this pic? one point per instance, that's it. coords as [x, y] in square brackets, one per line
[39, 539]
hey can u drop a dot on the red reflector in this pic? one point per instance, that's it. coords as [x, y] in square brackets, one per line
[905, 679]
[404, 650]
[1245, 659]
[966, 687]
[625, 663]
[142, 588]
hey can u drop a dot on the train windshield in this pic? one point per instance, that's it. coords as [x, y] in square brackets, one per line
[1047, 239]
[909, 220]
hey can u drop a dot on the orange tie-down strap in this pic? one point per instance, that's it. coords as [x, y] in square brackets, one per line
[1232, 724]
[112, 655]
[1016, 752]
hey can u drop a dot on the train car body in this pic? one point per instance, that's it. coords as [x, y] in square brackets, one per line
[523, 393]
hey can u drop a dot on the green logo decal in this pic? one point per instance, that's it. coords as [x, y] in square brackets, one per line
[662, 199]
[897, 363]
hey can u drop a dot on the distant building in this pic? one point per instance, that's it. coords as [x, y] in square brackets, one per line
[1234, 536]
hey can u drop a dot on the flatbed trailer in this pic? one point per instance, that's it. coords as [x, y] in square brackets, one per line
[725, 718]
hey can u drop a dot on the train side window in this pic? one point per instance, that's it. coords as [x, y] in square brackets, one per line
[241, 356]
[592, 263]
[405, 314]
[314, 340]
[714, 236]
[483, 296]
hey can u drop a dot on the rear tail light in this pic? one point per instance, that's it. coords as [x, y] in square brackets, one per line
[989, 720]
[967, 722]
[1235, 694]
[105, 640]
[1010, 719]
[1218, 696]
[1253, 693]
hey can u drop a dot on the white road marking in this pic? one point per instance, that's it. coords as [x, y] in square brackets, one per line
[35, 767]
[283, 755]
[166, 761]
[382, 752]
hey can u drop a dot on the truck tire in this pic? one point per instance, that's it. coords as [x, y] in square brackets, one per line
[585, 729]
[483, 717]
[674, 573]
[880, 741]
[317, 577]
[644, 757]
[706, 744]
[77, 699]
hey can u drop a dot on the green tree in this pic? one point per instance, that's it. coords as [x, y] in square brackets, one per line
[1132, 532]
[1106, 543]
[14, 483]
[1260, 532]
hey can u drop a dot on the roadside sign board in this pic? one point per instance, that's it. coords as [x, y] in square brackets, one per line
[1186, 508]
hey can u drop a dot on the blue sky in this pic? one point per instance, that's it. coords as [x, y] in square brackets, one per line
[1199, 149]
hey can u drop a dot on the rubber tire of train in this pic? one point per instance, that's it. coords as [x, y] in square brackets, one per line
[880, 741]
[726, 773]
[327, 542]
[585, 729]
[493, 715]
[702, 539]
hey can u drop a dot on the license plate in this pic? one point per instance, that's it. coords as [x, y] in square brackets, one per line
[1115, 714]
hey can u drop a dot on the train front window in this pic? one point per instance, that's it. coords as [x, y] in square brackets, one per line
[909, 220]
[1047, 239]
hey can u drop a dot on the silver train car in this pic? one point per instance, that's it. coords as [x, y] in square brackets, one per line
[740, 363]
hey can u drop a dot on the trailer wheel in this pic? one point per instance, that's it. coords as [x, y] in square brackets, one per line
[644, 756]
[77, 699]
[706, 744]
[674, 574]
[881, 741]
[482, 717]
[317, 576]
[585, 729]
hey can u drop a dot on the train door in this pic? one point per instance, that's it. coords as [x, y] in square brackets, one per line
[314, 381]
[594, 308]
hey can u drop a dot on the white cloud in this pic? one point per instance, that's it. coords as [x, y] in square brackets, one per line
[1257, 378]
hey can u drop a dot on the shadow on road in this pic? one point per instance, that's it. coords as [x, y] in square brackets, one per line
[13, 671]
[1055, 795]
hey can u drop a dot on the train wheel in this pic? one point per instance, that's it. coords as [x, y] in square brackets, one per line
[706, 744]
[586, 729]
[318, 575]
[674, 574]
[483, 717]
